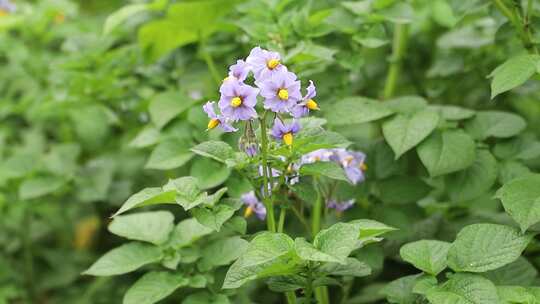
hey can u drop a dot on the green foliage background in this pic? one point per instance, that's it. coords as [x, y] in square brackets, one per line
[100, 99]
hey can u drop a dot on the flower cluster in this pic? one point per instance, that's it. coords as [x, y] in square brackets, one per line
[7, 7]
[275, 84]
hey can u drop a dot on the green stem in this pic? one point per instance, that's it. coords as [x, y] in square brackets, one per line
[270, 220]
[281, 221]
[209, 60]
[522, 28]
[316, 212]
[291, 297]
[399, 45]
[309, 287]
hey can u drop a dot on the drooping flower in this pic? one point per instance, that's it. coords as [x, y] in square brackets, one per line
[281, 92]
[217, 120]
[340, 206]
[317, 155]
[253, 205]
[285, 132]
[7, 7]
[238, 100]
[302, 109]
[264, 63]
[238, 71]
[353, 164]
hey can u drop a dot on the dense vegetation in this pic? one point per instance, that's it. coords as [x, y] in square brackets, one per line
[369, 151]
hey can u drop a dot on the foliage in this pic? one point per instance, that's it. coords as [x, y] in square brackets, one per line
[112, 190]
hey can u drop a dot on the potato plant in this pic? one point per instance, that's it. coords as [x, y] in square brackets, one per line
[274, 151]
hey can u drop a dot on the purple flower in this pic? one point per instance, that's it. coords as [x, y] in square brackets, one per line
[253, 205]
[317, 155]
[281, 91]
[352, 163]
[285, 132]
[7, 6]
[302, 109]
[251, 148]
[264, 63]
[238, 100]
[339, 206]
[239, 71]
[216, 120]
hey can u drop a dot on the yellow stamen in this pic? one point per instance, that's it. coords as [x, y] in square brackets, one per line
[236, 102]
[248, 212]
[283, 94]
[363, 167]
[348, 160]
[3, 13]
[312, 105]
[272, 63]
[288, 139]
[213, 123]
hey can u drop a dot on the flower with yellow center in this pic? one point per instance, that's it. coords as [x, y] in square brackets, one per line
[236, 102]
[272, 63]
[248, 212]
[288, 139]
[312, 105]
[283, 94]
[363, 167]
[213, 123]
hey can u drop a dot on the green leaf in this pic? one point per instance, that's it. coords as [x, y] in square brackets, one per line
[215, 217]
[370, 228]
[216, 150]
[40, 186]
[147, 197]
[206, 298]
[515, 294]
[121, 15]
[308, 252]
[286, 283]
[165, 106]
[475, 180]
[209, 173]
[148, 136]
[402, 190]
[446, 152]
[187, 232]
[311, 139]
[355, 110]
[170, 154]
[268, 254]
[519, 272]
[408, 105]
[352, 268]
[495, 124]
[327, 169]
[483, 247]
[453, 112]
[153, 287]
[464, 288]
[514, 72]
[521, 200]
[124, 259]
[426, 255]
[153, 227]
[400, 291]
[404, 132]
[338, 241]
[227, 250]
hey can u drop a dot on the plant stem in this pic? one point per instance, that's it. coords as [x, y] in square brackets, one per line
[291, 297]
[309, 287]
[281, 221]
[270, 220]
[209, 60]
[316, 212]
[399, 45]
[523, 28]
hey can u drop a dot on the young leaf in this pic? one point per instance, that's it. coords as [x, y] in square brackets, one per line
[154, 286]
[213, 218]
[124, 259]
[495, 124]
[268, 254]
[308, 252]
[404, 132]
[216, 150]
[186, 233]
[327, 169]
[514, 72]
[153, 227]
[521, 200]
[446, 152]
[475, 180]
[370, 228]
[170, 154]
[426, 255]
[464, 288]
[356, 110]
[483, 247]
[147, 197]
[337, 241]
